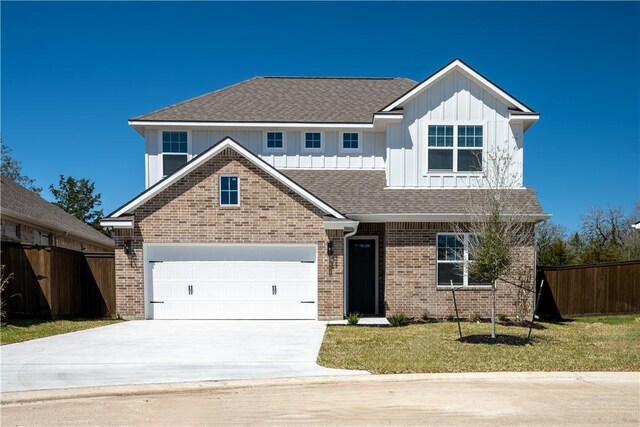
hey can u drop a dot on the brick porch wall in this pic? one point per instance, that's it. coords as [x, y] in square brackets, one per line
[410, 277]
[189, 212]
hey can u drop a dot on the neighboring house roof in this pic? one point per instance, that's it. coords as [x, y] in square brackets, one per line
[636, 225]
[201, 159]
[364, 192]
[289, 99]
[19, 203]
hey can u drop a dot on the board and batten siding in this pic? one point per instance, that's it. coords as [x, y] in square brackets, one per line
[372, 155]
[454, 99]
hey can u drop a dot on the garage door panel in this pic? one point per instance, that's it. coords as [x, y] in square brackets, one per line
[227, 289]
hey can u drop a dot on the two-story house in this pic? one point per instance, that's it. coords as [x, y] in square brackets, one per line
[311, 198]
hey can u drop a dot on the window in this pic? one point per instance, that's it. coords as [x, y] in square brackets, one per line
[229, 190]
[275, 140]
[312, 140]
[453, 261]
[40, 238]
[465, 156]
[174, 151]
[351, 141]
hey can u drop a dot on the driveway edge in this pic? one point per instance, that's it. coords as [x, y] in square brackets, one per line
[166, 388]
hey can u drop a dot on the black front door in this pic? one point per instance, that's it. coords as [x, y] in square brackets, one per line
[362, 276]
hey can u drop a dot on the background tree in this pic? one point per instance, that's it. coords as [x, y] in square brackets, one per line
[13, 169]
[500, 232]
[552, 246]
[76, 196]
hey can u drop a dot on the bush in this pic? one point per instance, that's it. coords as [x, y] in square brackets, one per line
[353, 318]
[450, 318]
[398, 319]
[475, 317]
[425, 316]
[502, 317]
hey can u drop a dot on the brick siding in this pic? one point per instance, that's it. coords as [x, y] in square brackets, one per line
[189, 212]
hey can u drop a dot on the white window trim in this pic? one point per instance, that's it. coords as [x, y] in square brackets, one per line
[341, 148]
[189, 152]
[455, 148]
[303, 137]
[465, 274]
[228, 175]
[273, 149]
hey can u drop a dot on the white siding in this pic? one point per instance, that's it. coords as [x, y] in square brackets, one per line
[372, 156]
[454, 99]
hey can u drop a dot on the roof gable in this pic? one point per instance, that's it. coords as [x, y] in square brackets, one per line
[466, 70]
[207, 155]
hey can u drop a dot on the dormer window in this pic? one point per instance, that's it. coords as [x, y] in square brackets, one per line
[455, 148]
[174, 151]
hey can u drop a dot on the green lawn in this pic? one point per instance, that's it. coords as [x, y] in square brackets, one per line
[24, 330]
[596, 343]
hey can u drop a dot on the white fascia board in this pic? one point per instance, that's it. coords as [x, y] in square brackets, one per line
[204, 157]
[427, 217]
[340, 225]
[270, 125]
[116, 223]
[513, 117]
[457, 64]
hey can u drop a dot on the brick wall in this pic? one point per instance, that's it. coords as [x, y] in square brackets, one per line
[188, 212]
[410, 277]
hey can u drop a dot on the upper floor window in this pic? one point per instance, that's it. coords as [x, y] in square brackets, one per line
[444, 155]
[351, 141]
[312, 140]
[453, 261]
[174, 151]
[229, 190]
[274, 140]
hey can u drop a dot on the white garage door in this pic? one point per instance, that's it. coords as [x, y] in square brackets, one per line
[233, 282]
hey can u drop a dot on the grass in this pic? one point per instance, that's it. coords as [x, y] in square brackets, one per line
[596, 343]
[24, 330]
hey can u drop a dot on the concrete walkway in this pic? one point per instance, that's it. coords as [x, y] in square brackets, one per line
[138, 352]
[487, 399]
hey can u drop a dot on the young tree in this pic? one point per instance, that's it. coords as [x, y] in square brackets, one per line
[500, 230]
[76, 196]
[13, 169]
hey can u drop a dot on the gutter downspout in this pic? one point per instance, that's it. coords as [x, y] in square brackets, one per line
[344, 265]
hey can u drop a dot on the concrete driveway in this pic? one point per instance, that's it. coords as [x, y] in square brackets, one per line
[139, 352]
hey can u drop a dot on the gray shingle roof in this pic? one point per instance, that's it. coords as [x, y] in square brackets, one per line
[364, 192]
[17, 199]
[290, 99]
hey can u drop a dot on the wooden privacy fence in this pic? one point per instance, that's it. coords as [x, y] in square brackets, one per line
[590, 289]
[52, 282]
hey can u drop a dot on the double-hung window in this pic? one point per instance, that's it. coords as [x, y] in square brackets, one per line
[312, 140]
[454, 148]
[174, 151]
[453, 261]
[229, 190]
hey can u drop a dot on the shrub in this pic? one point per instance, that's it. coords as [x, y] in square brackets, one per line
[475, 317]
[398, 319]
[353, 318]
[502, 317]
[450, 318]
[425, 316]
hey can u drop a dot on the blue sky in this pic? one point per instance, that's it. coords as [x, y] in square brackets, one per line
[73, 73]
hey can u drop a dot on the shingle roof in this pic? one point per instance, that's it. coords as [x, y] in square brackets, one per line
[364, 192]
[289, 99]
[19, 200]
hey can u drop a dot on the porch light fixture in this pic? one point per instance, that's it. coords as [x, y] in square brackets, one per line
[127, 247]
[330, 248]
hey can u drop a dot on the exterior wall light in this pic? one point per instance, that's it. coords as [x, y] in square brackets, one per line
[127, 247]
[330, 248]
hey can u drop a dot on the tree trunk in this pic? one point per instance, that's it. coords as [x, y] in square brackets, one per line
[493, 310]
